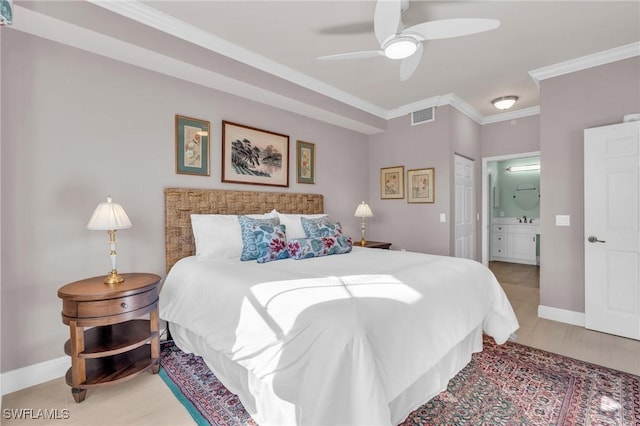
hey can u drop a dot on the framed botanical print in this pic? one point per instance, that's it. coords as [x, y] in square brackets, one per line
[192, 146]
[254, 156]
[305, 162]
[421, 185]
[392, 182]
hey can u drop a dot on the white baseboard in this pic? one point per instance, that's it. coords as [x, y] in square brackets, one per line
[561, 315]
[32, 375]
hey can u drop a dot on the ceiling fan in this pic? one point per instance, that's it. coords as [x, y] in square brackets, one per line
[397, 42]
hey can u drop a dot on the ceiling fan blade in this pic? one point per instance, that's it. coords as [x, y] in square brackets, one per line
[386, 20]
[409, 65]
[354, 55]
[448, 28]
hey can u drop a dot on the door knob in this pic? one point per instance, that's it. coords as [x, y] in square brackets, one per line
[594, 239]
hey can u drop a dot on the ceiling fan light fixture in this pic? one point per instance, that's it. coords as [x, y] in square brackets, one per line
[504, 102]
[400, 47]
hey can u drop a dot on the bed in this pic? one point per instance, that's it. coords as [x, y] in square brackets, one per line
[360, 338]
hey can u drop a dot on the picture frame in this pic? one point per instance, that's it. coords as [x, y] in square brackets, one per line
[392, 183]
[254, 156]
[192, 146]
[305, 162]
[421, 185]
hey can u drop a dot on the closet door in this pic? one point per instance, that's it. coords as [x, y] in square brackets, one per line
[612, 229]
[465, 241]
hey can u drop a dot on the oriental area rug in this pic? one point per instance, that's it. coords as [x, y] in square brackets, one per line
[508, 384]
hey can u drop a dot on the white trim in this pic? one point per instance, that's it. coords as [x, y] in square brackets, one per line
[511, 115]
[561, 315]
[32, 375]
[584, 62]
[465, 108]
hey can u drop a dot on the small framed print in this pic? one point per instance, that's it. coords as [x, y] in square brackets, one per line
[254, 156]
[305, 162]
[192, 146]
[421, 185]
[392, 183]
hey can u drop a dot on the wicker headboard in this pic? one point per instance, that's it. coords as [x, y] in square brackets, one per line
[179, 203]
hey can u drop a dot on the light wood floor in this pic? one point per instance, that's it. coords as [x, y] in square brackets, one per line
[146, 400]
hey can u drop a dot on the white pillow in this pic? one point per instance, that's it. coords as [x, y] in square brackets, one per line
[219, 235]
[293, 224]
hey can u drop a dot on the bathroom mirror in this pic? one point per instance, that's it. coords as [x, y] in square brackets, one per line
[526, 196]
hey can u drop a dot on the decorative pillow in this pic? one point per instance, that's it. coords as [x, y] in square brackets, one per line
[247, 225]
[219, 235]
[271, 242]
[325, 230]
[303, 248]
[294, 224]
[310, 224]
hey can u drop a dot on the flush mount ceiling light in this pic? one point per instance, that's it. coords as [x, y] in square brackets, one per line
[400, 47]
[504, 102]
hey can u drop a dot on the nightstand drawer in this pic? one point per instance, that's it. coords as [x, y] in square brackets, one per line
[109, 307]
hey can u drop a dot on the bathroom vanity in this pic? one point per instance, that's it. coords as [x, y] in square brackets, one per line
[514, 241]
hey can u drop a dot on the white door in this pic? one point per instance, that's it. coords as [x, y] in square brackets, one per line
[464, 208]
[612, 229]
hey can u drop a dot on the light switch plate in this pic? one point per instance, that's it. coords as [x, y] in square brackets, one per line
[563, 220]
[443, 218]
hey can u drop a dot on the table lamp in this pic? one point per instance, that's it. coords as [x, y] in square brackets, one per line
[363, 211]
[110, 217]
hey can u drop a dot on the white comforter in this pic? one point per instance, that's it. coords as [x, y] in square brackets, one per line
[335, 338]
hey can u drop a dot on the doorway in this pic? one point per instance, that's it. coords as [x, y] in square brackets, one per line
[491, 198]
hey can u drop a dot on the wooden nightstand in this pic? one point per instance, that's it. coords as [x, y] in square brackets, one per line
[120, 345]
[373, 244]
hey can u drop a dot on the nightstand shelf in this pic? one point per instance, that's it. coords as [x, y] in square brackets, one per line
[113, 339]
[114, 369]
[122, 343]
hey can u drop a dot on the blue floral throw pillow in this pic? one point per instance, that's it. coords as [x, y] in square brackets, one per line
[310, 225]
[303, 248]
[326, 229]
[271, 242]
[249, 246]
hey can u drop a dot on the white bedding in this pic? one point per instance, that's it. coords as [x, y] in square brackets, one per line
[335, 339]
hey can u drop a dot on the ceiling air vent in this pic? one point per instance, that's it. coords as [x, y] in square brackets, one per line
[423, 116]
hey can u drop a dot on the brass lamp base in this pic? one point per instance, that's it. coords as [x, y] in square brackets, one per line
[363, 242]
[113, 278]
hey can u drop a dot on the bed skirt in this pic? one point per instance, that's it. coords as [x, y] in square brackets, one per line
[244, 384]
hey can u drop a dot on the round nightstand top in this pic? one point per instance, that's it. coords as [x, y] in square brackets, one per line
[95, 288]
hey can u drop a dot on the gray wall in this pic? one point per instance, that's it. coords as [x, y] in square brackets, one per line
[413, 227]
[77, 127]
[569, 104]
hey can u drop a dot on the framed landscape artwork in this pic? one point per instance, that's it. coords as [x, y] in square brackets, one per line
[305, 162]
[254, 156]
[421, 185]
[392, 182]
[192, 146]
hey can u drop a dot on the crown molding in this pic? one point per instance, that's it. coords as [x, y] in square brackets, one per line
[85, 39]
[161, 21]
[435, 101]
[584, 62]
[511, 115]
[50, 28]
